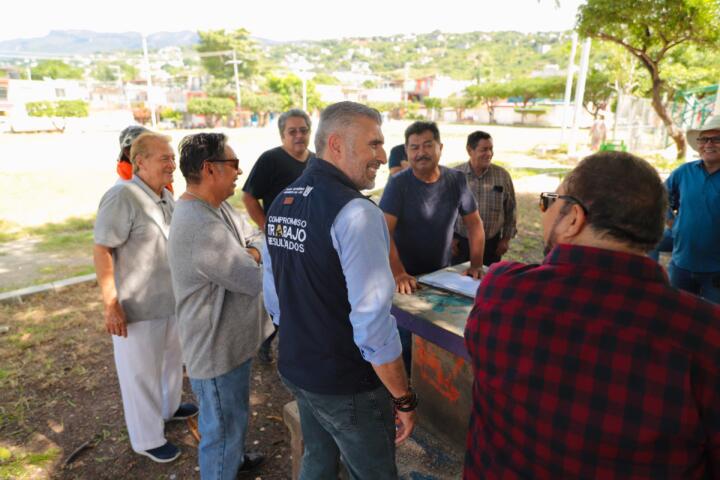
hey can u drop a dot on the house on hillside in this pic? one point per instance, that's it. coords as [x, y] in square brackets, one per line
[437, 86]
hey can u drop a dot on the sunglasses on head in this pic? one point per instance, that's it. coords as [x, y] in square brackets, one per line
[548, 198]
[234, 162]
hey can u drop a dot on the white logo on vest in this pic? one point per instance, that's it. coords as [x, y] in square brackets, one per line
[286, 232]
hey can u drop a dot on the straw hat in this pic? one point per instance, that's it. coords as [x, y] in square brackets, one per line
[713, 123]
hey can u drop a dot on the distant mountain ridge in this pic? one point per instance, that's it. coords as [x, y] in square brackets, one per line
[87, 42]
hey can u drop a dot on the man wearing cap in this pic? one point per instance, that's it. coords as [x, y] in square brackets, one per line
[124, 166]
[694, 193]
[127, 136]
[273, 171]
[131, 232]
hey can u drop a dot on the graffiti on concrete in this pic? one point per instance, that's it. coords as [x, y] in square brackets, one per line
[433, 372]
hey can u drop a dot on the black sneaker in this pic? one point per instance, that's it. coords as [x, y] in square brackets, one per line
[166, 453]
[184, 411]
[251, 461]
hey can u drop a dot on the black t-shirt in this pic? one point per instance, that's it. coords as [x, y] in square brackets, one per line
[274, 170]
[426, 214]
[397, 155]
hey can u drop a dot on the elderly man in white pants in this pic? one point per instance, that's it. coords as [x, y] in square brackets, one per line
[131, 232]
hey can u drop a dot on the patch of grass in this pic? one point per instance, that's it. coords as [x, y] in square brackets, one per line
[66, 241]
[10, 231]
[52, 273]
[237, 203]
[517, 173]
[661, 163]
[25, 465]
[527, 246]
[73, 224]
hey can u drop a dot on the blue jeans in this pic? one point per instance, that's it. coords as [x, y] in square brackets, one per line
[705, 285]
[360, 427]
[223, 422]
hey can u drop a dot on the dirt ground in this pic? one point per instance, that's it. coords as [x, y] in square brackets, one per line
[59, 391]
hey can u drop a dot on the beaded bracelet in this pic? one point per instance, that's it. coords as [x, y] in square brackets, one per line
[406, 403]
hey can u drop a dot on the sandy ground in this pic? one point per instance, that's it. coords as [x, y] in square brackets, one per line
[50, 177]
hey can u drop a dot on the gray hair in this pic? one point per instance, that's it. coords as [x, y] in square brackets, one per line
[339, 116]
[293, 112]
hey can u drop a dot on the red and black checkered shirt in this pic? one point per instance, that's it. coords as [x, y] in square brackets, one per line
[591, 366]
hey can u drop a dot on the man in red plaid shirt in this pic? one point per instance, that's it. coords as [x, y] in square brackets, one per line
[591, 365]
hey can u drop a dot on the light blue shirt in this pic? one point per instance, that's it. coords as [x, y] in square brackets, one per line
[360, 236]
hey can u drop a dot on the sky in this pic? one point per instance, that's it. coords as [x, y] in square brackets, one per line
[285, 20]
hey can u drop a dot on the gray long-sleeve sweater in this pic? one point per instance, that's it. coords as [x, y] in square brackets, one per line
[217, 286]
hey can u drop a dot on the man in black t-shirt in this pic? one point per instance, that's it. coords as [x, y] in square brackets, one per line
[274, 170]
[278, 167]
[398, 159]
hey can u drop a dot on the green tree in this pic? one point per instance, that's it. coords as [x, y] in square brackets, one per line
[262, 104]
[220, 41]
[598, 90]
[290, 90]
[213, 108]
[58, 111]
[650, 30]
[534, 88]
[434, 106]
[325, 79]
[104, 73]
[171, 115]
[459, 103]
[55, 69]
[487, 94]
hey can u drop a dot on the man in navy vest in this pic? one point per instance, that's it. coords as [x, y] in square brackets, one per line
[328, 279]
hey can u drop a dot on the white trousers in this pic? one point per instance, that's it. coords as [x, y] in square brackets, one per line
[149, 368]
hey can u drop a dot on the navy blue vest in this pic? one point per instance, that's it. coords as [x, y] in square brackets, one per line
[316, 350]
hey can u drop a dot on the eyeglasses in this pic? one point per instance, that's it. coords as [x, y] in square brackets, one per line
[294, 131]
[548, 198]
[711, 140]
[234, 162]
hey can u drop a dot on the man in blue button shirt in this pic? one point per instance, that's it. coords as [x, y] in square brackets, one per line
[694, 193]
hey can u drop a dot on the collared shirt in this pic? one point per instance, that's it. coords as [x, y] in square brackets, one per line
[592, 366]
[363, 255]
[495, 195]
[695, 196]
[134, 222]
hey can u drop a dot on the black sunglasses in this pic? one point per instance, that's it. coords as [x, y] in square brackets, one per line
[548, 198]
[234, 162]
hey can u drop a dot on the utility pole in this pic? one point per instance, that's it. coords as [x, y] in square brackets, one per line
[148, 77]
[235, 62]
[579, 96]
[568, 87]
[237, 80]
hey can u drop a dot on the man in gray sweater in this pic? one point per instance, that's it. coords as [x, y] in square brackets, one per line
[214, 260]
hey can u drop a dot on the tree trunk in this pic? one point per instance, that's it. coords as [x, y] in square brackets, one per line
[675, 133]
[491, 112]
